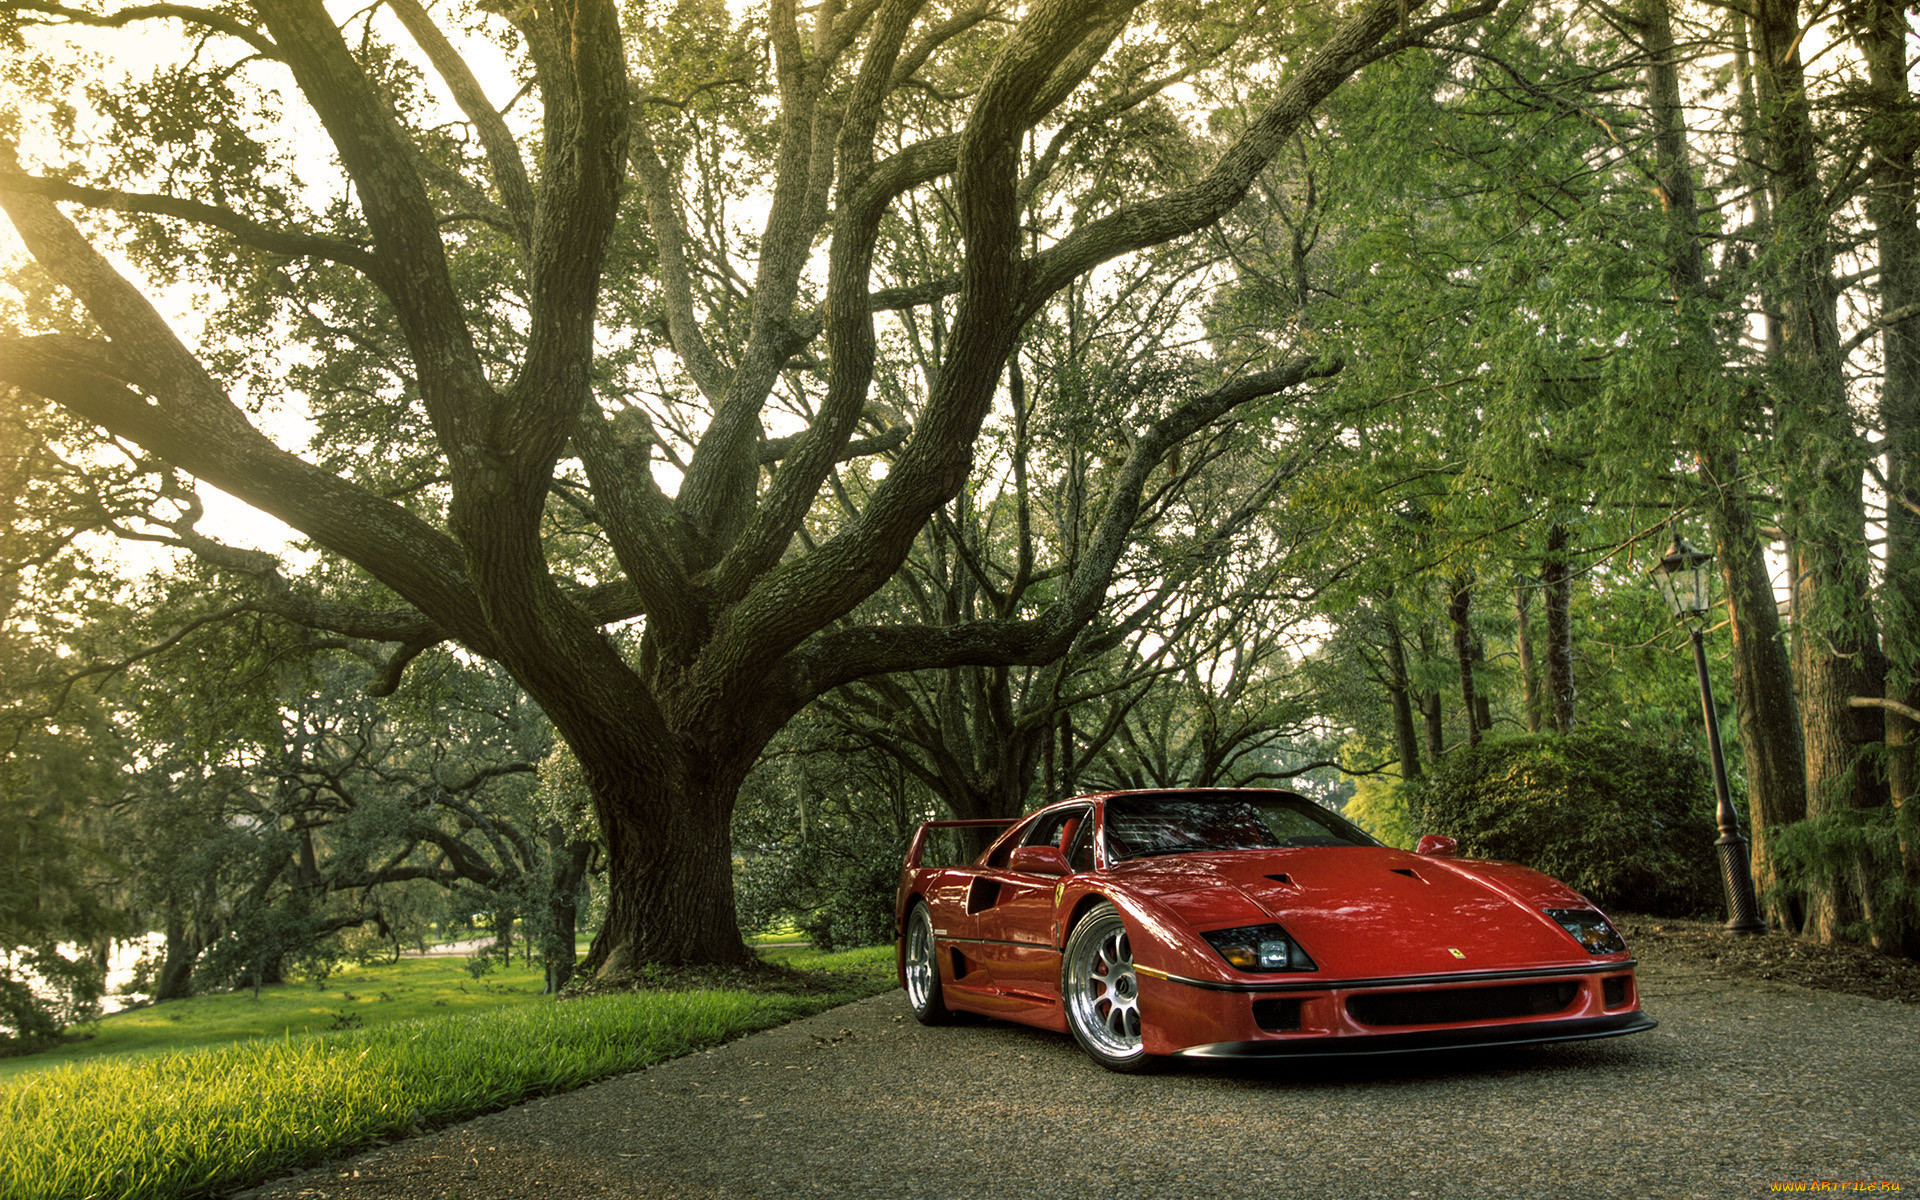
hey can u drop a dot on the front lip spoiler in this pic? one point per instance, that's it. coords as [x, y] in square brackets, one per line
[1535, 1033]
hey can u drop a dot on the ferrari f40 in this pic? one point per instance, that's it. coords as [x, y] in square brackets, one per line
[1251, 923]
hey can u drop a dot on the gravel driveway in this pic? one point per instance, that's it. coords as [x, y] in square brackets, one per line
[1742, 1086]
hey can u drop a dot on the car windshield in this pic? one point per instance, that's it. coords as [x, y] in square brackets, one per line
[1176, 823]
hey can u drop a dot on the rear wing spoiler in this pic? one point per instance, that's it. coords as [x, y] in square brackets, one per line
[919, 845]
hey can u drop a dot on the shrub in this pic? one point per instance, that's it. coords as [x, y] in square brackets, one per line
[26, 1024]
[1813, 853]
[1626, 822]
[854, 904]
[837, 887]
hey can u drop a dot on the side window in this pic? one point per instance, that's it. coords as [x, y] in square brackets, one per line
[1080, 846]
[1067, 829]
[1045, 831]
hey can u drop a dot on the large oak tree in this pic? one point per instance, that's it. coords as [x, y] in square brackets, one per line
[464, 284]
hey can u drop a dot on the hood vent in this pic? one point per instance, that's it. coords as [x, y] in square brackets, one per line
[1282, 878]
[1405, 871]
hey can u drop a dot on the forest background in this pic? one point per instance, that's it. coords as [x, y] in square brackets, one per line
[716, 438]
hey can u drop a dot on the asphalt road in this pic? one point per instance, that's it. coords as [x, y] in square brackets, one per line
[1742, 1087]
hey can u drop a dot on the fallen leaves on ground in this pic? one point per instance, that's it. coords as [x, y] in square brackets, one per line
[1781, 957]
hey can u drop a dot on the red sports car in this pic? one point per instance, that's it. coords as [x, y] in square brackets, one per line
[1251, 923]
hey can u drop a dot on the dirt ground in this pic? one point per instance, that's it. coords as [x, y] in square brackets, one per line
[1705, 947]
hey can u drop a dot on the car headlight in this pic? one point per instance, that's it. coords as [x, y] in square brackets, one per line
[1590, 929]
[1259, 948]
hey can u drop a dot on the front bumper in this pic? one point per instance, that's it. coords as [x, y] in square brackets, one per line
[1302, 1017]
[1531, 1034]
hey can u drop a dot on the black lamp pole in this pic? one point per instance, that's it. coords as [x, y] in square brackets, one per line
[1684, 580]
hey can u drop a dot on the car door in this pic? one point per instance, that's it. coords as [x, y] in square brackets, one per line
[1015, 925]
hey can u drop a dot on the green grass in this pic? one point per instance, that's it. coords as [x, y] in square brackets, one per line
[353, 997]
[148, 1125]
[781, 934]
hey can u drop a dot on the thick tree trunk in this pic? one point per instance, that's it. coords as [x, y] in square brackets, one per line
[996, 793]
[1433, 713]
[1069, 774]
[1771, 743]
[1838, 776]
[570, 861]
[1891, 204]
[1482, 702]
[988, 754]
[1049, 781]
[1434, 718]
[669, 867]
[1558, 578]
[1835, 650]
[986, 799]
[175, 980]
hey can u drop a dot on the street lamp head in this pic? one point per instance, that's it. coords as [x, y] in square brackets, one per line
[1685, 579]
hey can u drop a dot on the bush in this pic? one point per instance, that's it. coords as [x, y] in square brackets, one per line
[1626, 822]
[1815, 854]
[854, 904]
[26, 1024]
[837, 887]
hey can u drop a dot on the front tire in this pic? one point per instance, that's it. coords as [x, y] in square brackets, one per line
[923, 970]
[1101, 992]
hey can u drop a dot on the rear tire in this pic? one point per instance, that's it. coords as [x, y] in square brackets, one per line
[923, 969]
[1101, 993]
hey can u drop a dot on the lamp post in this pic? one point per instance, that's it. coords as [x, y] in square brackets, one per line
[1686, 583]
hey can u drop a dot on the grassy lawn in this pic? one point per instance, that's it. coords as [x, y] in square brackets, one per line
[780, 936]
[246, 1090]
[352, 998]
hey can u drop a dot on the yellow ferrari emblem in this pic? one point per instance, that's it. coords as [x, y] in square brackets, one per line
[1456, 953]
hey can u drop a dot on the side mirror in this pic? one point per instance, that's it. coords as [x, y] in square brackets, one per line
[1039, 860]
[1439, 845]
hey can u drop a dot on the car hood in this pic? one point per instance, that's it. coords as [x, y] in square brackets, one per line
[1372, 911]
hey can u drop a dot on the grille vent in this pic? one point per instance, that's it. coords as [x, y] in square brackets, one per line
[1459, 1005]
[1277, 1016]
